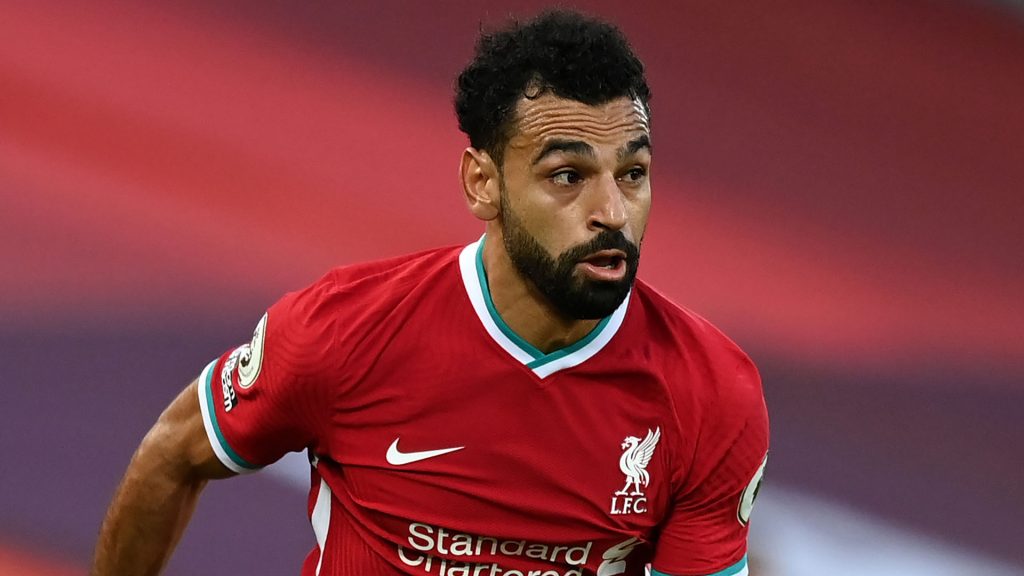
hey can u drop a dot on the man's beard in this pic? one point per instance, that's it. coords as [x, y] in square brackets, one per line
[580, 297]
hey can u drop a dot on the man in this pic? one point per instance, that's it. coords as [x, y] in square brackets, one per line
[518, 406]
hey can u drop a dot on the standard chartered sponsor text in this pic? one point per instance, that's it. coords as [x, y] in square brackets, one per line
[428, 543]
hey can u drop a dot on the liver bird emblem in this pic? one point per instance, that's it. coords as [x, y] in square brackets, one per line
[634, 460]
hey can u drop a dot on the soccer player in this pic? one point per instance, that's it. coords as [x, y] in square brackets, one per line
[517, 406]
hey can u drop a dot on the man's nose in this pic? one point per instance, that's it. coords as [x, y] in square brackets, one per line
[608, 207]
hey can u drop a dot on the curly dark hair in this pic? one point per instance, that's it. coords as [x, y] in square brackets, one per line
[571, 55]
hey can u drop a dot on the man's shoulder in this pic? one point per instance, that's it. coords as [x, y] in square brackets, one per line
[683, 327]
[352, 294]
[701, 364]
[381, 274]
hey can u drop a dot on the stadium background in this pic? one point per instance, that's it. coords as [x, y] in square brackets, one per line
[838, 185]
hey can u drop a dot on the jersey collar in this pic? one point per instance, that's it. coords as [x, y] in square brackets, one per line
[474, 278]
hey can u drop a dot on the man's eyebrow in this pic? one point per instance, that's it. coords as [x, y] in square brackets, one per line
[635, 145]
[561, 145]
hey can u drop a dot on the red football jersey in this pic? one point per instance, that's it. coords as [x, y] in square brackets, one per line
[444, 444]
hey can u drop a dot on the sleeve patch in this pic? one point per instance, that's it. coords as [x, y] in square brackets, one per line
[251, 360]
[746, 505]
[229, 398]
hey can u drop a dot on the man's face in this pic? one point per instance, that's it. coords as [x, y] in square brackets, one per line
[575, 199]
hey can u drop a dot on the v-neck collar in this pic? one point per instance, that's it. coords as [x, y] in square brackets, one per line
[474, 278]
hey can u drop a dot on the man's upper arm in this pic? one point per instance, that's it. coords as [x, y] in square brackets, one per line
[705, 532]
[179, 439]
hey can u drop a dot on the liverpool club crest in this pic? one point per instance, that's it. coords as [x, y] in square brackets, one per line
[633, 463]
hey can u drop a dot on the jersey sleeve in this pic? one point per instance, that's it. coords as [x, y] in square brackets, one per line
[271, 396]
[705, 532]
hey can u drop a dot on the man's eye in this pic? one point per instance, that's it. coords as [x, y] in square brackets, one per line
[567, 178]
[635, 174]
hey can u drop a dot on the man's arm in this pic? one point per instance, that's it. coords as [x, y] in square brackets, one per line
[707, 526]
[159, 490]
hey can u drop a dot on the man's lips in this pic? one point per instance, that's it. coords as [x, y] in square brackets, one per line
[605, 258]
[607, 265]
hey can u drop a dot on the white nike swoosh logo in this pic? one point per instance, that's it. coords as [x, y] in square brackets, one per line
[397, 458]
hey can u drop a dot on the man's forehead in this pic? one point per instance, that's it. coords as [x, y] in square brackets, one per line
[550, 116]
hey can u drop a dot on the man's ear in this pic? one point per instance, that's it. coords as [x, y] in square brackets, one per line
[480, 183]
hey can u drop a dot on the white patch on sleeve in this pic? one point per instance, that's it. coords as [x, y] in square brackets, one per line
[251, 360]
[746, 504]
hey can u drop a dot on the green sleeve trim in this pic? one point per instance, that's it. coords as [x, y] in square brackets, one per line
[739, 568]
[214, 426]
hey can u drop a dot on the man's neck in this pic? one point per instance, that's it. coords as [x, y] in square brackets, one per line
[524, 309]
